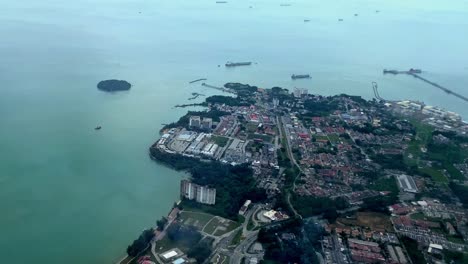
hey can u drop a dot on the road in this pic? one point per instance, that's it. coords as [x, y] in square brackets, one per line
[284, 134]
[170, 219]
[337, 255]
[240, 251]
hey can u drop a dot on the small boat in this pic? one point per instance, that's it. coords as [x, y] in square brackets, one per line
[306, 20]
[340, 19]
[98, 128]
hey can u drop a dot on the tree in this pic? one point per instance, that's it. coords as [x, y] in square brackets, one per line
[200, 251]
[141, 243]
[161, 223]
[330, 214]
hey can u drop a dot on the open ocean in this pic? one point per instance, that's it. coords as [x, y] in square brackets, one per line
[69, 194]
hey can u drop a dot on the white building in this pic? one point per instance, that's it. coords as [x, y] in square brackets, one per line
[195, 121]
[201, 194]
[407, 183]
[207, 123]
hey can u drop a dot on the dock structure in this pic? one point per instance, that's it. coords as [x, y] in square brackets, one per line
[376, 91]
[440, 87]
[197, 80]
[415, 74]
[218, 88]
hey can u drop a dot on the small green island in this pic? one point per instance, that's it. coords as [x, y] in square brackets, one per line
[113, 85]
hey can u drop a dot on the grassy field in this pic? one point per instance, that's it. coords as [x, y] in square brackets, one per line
[456, 257]
[417, 216]
[375, 221]
[423, 131]
[455, 239]
[231, 225]
[264, 138]
[436, 175]
[321, 137]
[219, 226]
[385, 184]
[211, 226]
[220, 141]
[334, 138]
[422, 138]
[251, 127]
[197, 219]
[454, 172]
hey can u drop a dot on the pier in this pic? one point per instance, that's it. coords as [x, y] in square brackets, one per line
[222, 89]
[415, 72]
[375, 87]
[440, 87]
[197, 80]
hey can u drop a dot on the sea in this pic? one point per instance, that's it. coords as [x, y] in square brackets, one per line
[71, 194]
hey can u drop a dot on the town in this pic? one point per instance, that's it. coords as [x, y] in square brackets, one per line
[290, 177]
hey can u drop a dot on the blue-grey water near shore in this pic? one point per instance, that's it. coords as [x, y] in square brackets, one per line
[72, 194]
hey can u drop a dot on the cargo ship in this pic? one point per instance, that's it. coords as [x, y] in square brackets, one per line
[234, 64]
[410, 71]
[390, 71]
[300, 76]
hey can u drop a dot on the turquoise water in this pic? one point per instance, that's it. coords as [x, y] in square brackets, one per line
[69, 193]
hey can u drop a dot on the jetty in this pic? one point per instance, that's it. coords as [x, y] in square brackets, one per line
[395, 72]
[375, 87]
[195, 96]
[197, 80]
[415, 73]
[440, 87]
[222, 89]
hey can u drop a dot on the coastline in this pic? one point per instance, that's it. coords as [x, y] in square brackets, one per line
[185, 162]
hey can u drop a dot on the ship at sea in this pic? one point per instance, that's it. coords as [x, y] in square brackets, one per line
[300, 76]
[410, 71]
[233, 64]
[385, 71]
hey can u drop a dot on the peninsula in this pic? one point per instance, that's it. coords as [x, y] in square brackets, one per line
[113, 85]
[290, 177]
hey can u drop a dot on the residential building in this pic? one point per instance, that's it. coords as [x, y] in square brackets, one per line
[201, 194]
[195, 122]
[207, 123]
